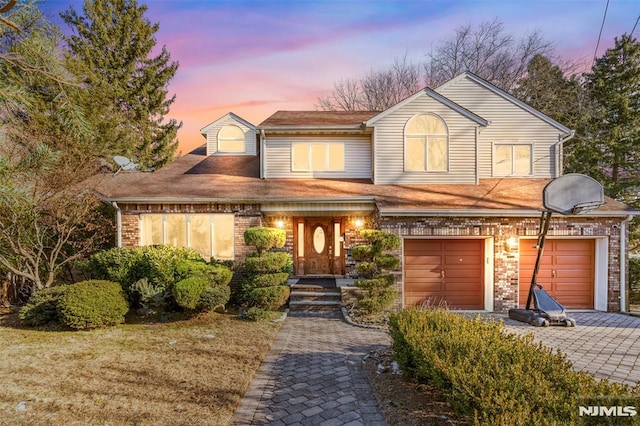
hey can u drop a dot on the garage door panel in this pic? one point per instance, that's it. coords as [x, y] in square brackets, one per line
[572, 246]
[567, 271]
[444, 270]
[470, 274]
[421, 260]
[420, 246]
[422, 274]
[466, 259]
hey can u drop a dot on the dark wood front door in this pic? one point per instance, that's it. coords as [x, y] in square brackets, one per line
[318, 247]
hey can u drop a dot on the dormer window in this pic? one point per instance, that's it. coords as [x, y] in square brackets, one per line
[231, 139]
[426, 144]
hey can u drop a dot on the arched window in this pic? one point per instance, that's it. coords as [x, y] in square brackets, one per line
[231, 139]
[426, 142]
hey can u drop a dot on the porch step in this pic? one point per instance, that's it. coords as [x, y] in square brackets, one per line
[312, 298]
[314, 305]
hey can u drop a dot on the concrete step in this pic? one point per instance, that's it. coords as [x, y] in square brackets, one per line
[314, 305]
[315, 295]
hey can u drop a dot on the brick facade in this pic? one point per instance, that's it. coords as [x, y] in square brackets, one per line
[500, 229]
[506, 256]
[246, 216]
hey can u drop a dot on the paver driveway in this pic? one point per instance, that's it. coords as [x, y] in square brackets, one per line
[606, 345]
[313, 375]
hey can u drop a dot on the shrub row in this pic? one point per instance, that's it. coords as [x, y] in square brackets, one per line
[495, 377]
[82, 306]
[154, 276]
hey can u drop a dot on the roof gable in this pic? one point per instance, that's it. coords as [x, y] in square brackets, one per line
[438, 97]
[235, 117]
[496, 90]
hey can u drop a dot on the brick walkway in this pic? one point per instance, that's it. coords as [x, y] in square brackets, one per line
[606, 345]
[313, 375]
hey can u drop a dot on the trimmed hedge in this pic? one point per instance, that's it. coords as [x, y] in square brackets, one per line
[92, 304]
[216, 274]
[42, 307]
[279, 278]
[188, 291]
[495, 377]
[264, 239]
[147, 274]
[213, 297]
[269, 298]
[272, 262]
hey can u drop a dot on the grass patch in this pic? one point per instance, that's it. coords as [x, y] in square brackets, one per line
[192, 370]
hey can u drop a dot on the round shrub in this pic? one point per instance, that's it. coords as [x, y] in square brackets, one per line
[214, 296]
[264, 239]
[188, 291]
[268, 280]
[217, 274]
[113, 265]
[269, 298]
[380, 239]
[92, 304]
[362, 252]
[269, 263]
[42, 308]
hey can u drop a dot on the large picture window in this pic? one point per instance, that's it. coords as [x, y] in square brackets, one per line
[317, 157]
[231, 139]
[211, 235]
[426, 144]
[512, 160]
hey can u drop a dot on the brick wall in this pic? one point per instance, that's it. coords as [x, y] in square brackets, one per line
[506, 256]
[246, 215]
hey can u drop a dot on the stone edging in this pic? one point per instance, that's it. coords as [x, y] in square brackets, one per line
[349, 321]
[282, 317]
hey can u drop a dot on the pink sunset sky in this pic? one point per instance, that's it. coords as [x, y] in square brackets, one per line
[256, 57]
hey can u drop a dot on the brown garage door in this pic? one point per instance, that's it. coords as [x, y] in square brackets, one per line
[444, 270]
[566, 270]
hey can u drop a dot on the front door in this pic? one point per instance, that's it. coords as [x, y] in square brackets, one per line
[319, 250]
[318, 247]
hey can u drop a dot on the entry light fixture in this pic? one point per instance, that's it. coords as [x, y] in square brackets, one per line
[359, 222]
[512, 242]
[280, 223]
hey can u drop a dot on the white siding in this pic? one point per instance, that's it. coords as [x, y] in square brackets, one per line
[249, 137]
[389, 156]
[277, 157]
[508, 123]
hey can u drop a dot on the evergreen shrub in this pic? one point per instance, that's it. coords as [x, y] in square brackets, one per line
[214, 296]
[42, 307]
[494, 377]
[188, 291]
[92, 304]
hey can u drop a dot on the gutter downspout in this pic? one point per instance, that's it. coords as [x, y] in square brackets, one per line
[623, 263]
[118, 224]
[263, 138]
[557, 147]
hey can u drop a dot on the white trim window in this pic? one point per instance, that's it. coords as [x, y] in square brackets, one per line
[426, 144]
[231, 139]
[513, 159]
[211, 235]
[317, 157]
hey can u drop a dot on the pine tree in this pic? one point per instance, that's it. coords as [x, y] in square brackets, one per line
[127, 94]
[614, 86]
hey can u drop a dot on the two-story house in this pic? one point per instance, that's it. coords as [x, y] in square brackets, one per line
[456, 172]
